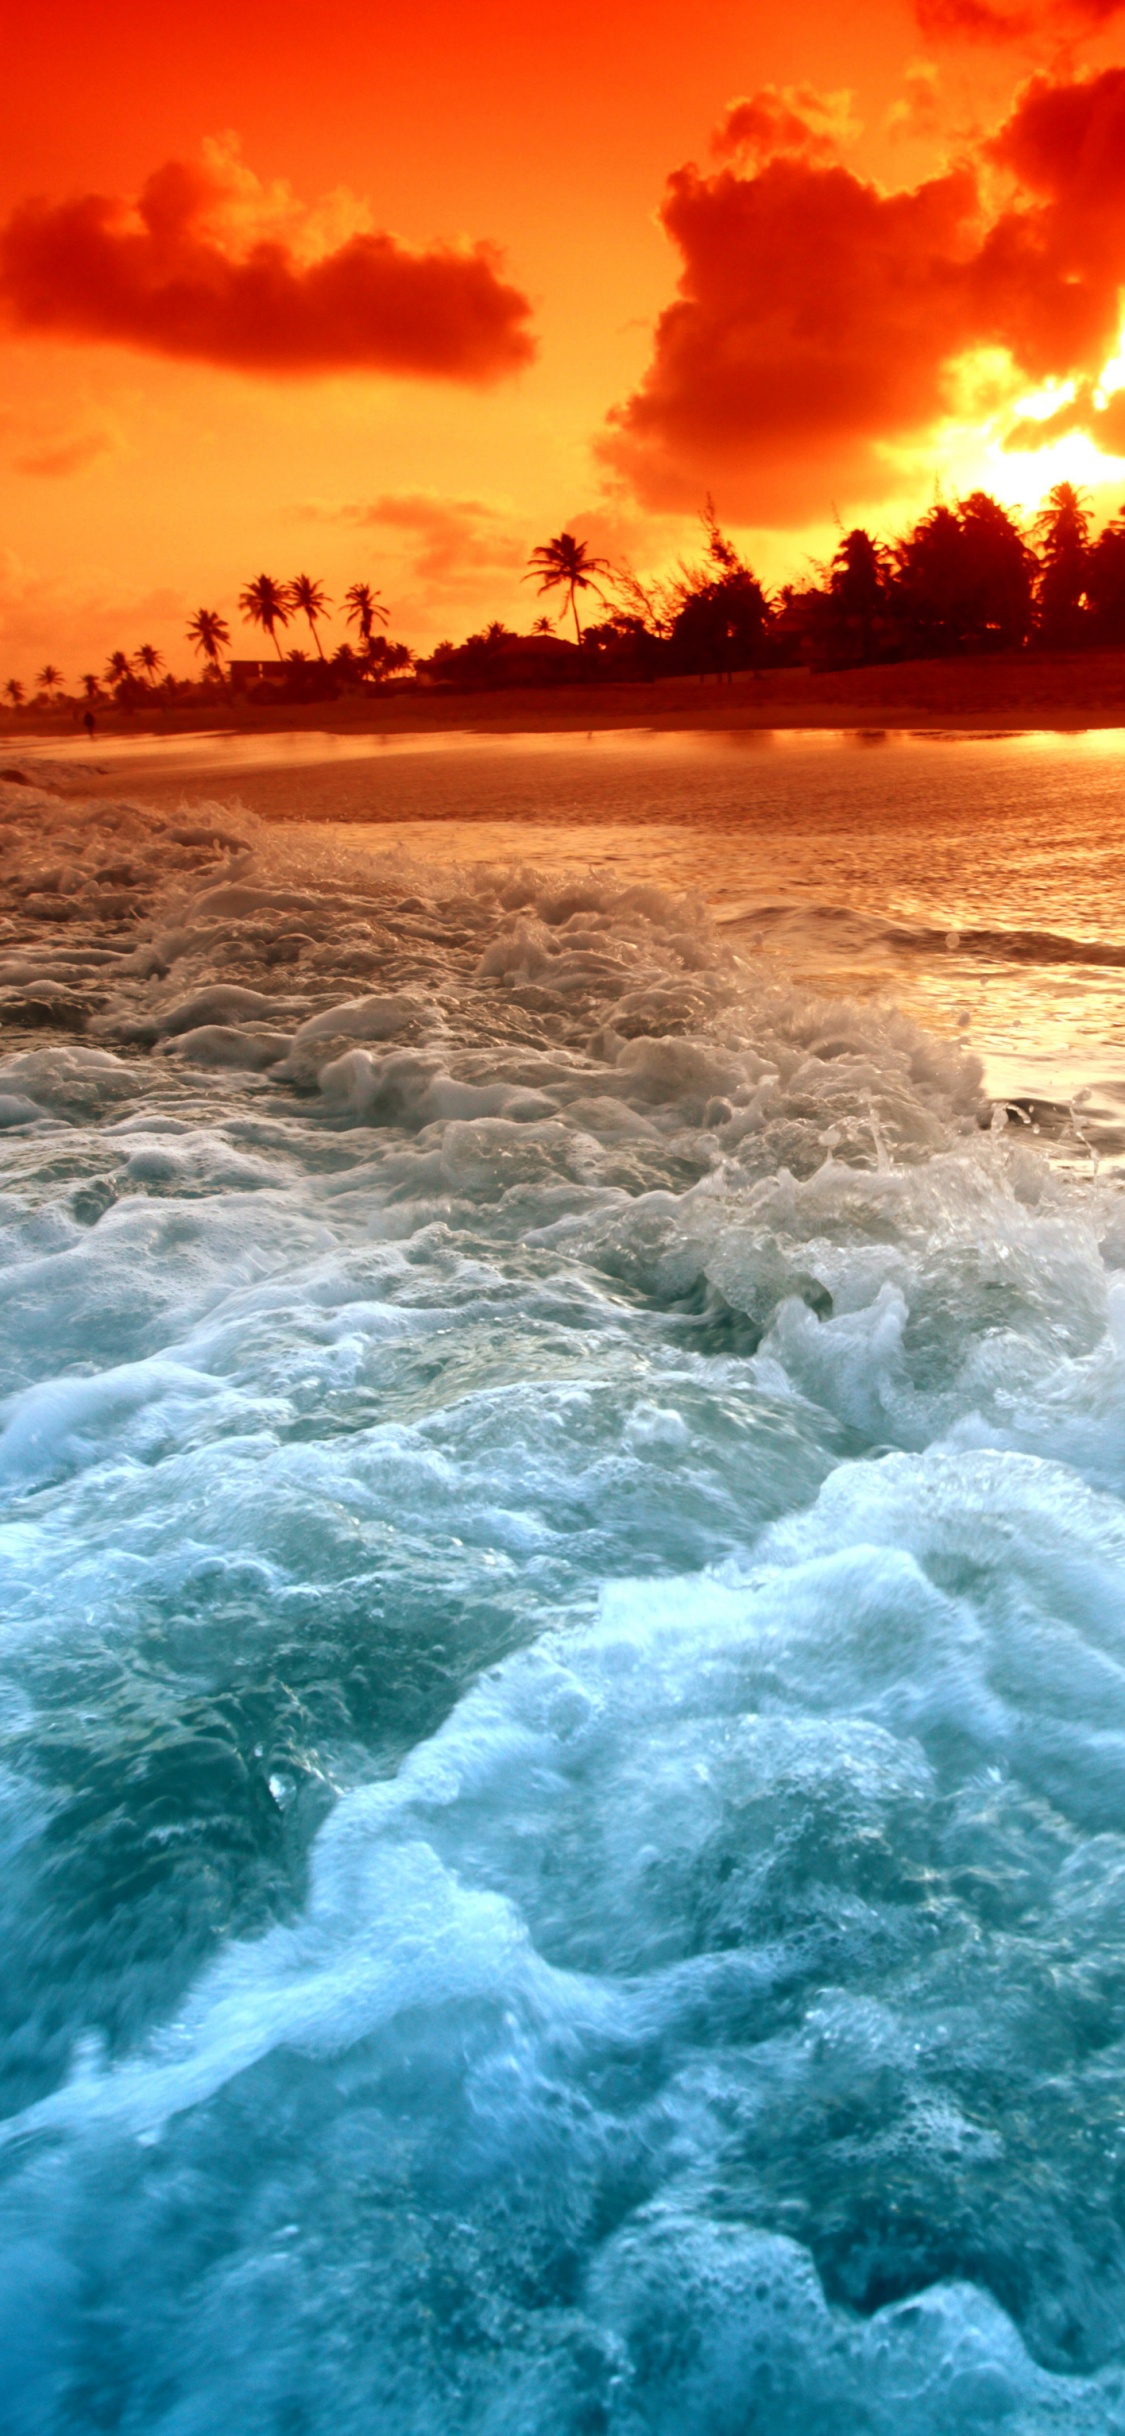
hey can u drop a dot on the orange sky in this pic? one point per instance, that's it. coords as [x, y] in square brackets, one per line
[873, 287]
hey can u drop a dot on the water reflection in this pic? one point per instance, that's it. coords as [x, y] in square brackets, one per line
[976, 880]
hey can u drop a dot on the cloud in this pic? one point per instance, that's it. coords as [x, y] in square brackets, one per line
[77, 621]
[432, 542]
[812, 324]
[211, 267]
[1064, 143]
[784, 119]
[820, 321]
[57, 458]
[451, 537]
[1099, 417]
[916, 113]
[982, 21]
[973, 21]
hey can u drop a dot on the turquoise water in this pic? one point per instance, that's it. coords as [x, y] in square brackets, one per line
[563, 1667]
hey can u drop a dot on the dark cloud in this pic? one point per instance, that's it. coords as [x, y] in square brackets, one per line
[1065, 146]
[814, 318]
[981, 21]
[819, 318]
[779, 119]
[972, 21]
[167, 277]
[1065, 143]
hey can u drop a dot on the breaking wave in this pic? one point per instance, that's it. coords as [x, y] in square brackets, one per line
[845, 930]
[563, 1792]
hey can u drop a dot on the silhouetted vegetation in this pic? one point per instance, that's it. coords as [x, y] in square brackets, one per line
[267, 604]
[965, 579]
[365, 609]
[568, 563]
[210, 635]
[1062, 530]
[312, 600]
[1105, 582]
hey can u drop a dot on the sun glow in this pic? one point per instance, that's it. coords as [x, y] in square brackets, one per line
[1020, 478]
[1049, 399]
[974, 449]
[1112, 378]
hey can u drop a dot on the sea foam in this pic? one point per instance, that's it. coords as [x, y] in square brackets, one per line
[563, 1799]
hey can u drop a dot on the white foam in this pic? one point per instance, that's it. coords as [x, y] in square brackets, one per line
[581, 1556]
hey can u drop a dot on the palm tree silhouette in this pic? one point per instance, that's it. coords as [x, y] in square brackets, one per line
[91, 688]
[118, 668]
[210, 634]
[151, 660]
[1063, 521]
[310, 597]
[49, 678]
[266, 603]
[14, 691]
[364, 606]
[568, 562]
[1062, 530]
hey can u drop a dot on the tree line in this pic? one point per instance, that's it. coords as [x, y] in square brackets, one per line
[966, 578]
[132, 678]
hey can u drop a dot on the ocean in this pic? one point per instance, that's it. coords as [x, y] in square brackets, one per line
[562, 1800]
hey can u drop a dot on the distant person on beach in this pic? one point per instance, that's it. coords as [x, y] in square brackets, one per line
[88, 724]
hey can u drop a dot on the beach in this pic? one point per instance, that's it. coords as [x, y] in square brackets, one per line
[1001, 691]
[922, 867]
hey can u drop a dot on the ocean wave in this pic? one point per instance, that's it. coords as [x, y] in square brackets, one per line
[842, 930]
[563, 1685]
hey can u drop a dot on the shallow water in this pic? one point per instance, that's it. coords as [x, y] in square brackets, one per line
[977, 881]
[563, 1795]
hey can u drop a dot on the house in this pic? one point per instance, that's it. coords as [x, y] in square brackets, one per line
[245, 673]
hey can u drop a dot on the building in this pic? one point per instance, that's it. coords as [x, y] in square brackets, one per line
[245, 673]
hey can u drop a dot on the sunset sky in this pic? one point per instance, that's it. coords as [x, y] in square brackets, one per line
[395, 294]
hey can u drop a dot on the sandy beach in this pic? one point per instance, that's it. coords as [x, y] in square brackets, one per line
[1005, 693]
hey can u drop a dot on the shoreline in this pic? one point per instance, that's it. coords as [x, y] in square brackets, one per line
[1005, 695]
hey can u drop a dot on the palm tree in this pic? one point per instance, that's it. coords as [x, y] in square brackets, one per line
[91, 688]
[1105, 581]
[387, 659]
[266, 603]
[859, 585]
[1063, 521]
[568, 562]
[118, 669]
[49, 678]
[150, 659]
[364, 606]
[210, 634]
[14, 691]
[310, 597]
[1062, 530]
[347, 664]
